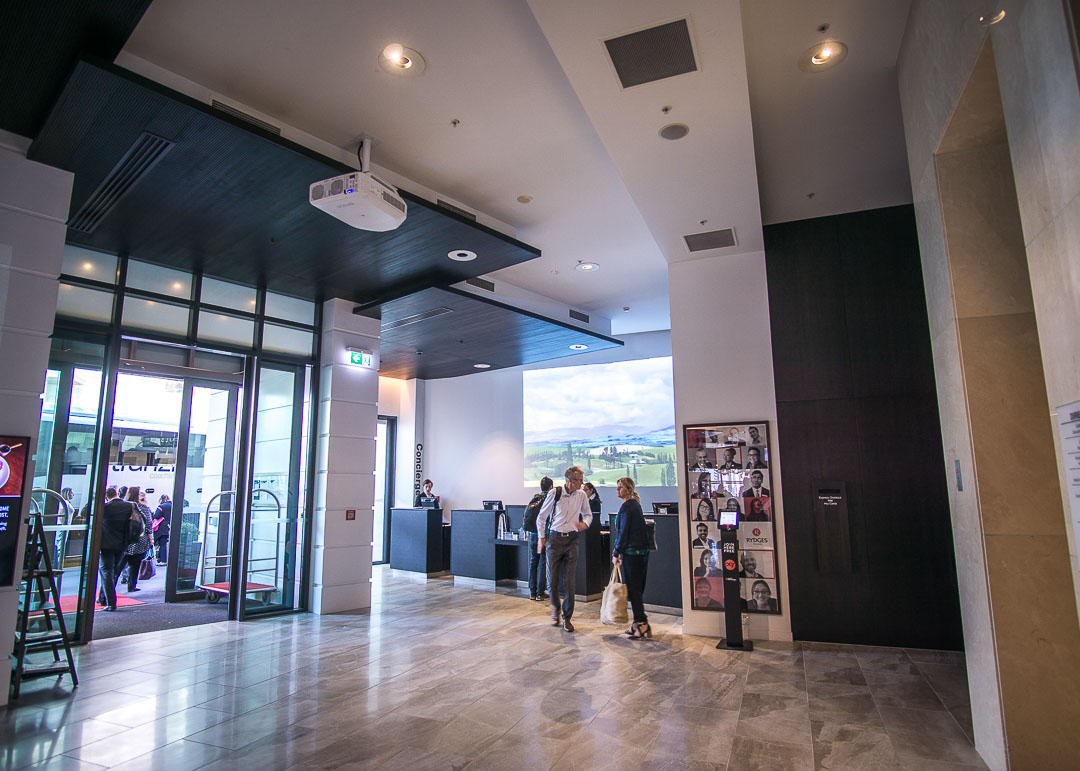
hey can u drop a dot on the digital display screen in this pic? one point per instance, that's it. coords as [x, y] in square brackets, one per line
[729, 518]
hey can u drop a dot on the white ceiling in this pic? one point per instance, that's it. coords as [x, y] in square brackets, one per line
[542, 113]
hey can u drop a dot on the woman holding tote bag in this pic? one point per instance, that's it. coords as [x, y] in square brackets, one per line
[630, 550]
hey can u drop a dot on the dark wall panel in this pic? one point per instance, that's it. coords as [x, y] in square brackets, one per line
[856, 403]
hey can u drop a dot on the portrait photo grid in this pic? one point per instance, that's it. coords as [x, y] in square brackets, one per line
[727, 470]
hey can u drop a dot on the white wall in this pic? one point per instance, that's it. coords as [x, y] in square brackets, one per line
[34, 202]
[722, 351]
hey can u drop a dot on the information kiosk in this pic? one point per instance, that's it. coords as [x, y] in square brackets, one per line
[729, 555]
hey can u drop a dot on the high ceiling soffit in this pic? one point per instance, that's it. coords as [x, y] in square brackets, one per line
[230, 199]
[439, 333]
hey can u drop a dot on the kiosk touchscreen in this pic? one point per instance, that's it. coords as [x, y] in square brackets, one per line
[729, 518]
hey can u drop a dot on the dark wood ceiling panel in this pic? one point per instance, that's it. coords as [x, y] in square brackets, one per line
[476, 330]
[230, 199]
[40, 43]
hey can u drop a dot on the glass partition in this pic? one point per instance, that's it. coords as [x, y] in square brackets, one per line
[275, 519]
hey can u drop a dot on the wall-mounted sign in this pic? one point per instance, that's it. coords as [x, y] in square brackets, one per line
[1069, 427]
[13, 454]
[361, 358]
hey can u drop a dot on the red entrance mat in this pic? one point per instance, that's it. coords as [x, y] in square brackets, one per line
[71, 604]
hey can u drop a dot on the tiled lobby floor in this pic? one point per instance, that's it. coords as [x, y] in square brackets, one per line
[443, 678]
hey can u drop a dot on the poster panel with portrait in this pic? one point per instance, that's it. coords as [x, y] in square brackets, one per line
[727, 468]
[13, 454]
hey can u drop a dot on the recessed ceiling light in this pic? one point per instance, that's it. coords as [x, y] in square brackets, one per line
[587, 267]
[579, 347]
[822, 56]
[482, 366]
[524, 199]
[396, 59]
[88, 266]
[674, 131]
[626, 309]
[461, 255]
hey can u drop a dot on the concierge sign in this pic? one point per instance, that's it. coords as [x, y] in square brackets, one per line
[13, 454]
[727, 472]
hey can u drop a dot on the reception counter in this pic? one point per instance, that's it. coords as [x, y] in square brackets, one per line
[475, 558]
[419, 541]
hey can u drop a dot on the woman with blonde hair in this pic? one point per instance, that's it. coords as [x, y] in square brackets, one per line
[630, 550]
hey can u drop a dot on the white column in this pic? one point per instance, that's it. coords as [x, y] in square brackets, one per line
[721, 349]
[34, 203]
[345, 481]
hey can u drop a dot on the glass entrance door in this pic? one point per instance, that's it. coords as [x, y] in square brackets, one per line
[277, 502]
[204, 499]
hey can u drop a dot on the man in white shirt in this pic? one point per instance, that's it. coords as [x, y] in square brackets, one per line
[568, 510]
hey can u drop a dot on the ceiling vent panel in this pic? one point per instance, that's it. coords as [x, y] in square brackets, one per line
[652, 54]
[455, 209]
[579, 316]
[416, 318]
[142, 156]
[714, 239]
[245, 117]
[481, 283]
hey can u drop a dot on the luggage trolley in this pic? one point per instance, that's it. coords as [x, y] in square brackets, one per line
[218, 589]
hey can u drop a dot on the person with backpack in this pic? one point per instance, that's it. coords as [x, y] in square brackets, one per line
[537, 559]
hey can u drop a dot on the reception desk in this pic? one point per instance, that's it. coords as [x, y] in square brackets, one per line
[663, 581]
[418, 541]
[476, 558]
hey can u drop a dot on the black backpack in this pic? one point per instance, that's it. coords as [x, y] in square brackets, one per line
[532, 511]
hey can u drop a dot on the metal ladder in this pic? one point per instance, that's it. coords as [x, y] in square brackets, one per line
[39, 603]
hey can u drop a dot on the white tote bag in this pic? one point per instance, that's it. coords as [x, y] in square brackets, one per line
[613, 605]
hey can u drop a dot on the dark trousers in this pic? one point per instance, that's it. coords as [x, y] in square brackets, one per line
[110, 562]
[537, 566]
[161, 549]
[562, 553]
[133, 561]
[634, 567]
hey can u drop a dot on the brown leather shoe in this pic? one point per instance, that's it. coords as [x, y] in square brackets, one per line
[555, 620]
[567, 625]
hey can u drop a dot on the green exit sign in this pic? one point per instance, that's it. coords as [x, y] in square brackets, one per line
[361, 358]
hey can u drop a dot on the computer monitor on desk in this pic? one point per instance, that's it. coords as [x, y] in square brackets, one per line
[493, 506]
[429, 502]
[671, 507]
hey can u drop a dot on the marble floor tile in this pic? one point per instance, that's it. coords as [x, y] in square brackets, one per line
[775, 719]
[930, 735]
[438, 677]
[908, 691]
[749, 754]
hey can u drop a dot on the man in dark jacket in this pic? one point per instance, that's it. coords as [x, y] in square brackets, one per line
[537, 561]
[115, 515]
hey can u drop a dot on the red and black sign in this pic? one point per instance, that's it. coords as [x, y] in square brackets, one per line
[14, 451]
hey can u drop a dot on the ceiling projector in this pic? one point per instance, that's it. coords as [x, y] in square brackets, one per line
[361, 200]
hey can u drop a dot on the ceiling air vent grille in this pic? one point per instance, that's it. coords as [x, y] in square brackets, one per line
[418, 317]
[482, 283]
[652, 54]
[579, 316]
[456, 209]
[714, 239]
[136, 163]
[245, 117]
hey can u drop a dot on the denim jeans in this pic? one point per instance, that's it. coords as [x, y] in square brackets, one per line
[634, 567]
[562, 554]
[537, 565]
[110, 561]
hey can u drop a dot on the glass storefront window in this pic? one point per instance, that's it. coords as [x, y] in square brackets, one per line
[158, 279]
[79, 302]
[221, 328]
[227, 294]
[86, 263]
[287, 340]
[155, 316]
[280, 306]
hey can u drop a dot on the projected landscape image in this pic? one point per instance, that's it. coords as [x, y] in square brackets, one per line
[614, 420]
